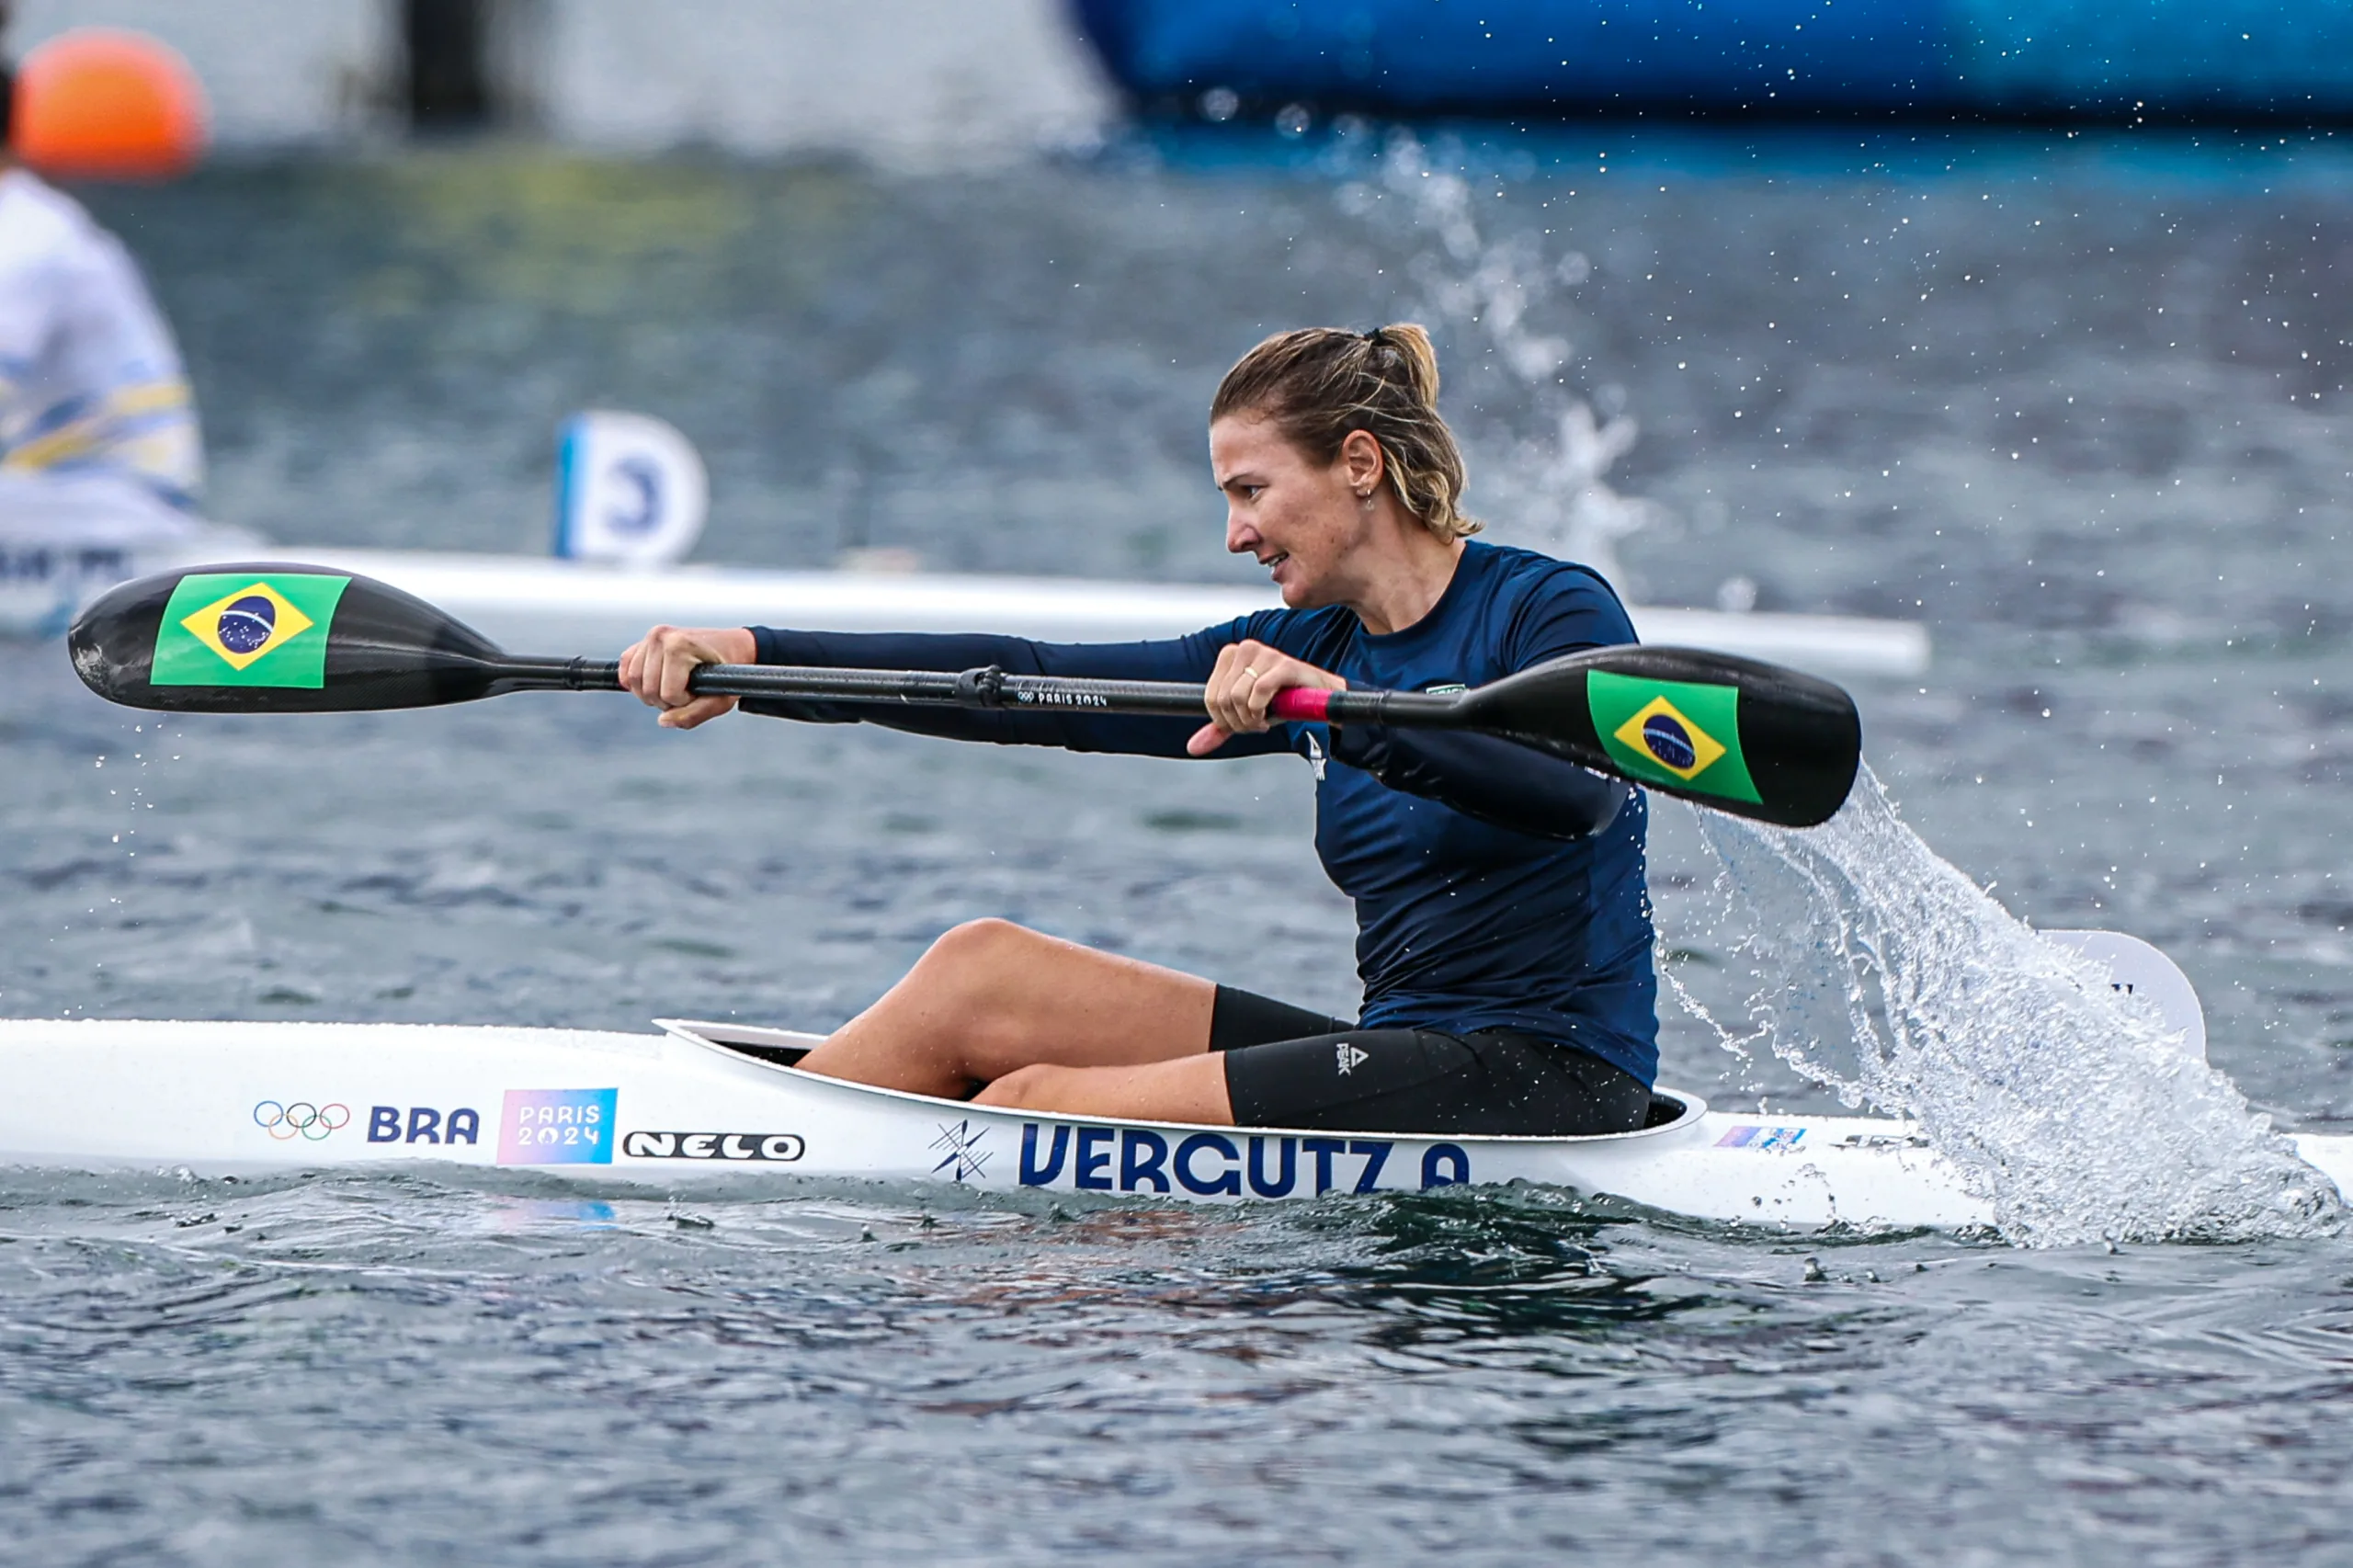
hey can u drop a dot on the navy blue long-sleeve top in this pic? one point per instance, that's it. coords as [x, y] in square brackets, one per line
[1496, 887]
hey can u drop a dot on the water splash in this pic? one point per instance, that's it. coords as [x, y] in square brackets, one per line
[1883, 973]
[1889, 976]
[1545, 487]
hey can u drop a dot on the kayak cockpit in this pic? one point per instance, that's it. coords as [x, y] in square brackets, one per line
[778, 1048]
[1669, 1108]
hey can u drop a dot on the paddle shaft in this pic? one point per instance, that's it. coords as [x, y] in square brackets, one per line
[989, 688]
[1730, 734]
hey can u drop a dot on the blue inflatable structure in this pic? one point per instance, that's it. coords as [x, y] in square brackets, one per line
[2101, 59]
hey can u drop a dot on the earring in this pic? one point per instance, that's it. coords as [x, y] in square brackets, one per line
[1365, 497]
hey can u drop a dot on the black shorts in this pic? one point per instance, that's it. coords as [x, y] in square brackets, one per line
[1287, 1067]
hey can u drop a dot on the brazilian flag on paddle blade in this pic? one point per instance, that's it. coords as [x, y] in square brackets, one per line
[1672, 731]
[247, 628]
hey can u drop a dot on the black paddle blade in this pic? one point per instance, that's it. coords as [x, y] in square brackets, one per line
[1736, 734]
[275, 638]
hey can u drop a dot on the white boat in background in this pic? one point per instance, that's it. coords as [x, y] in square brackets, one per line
[552, 606]
[66, 538]
[630, 498]
[699, 1101]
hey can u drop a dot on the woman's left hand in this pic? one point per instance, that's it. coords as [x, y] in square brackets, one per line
[1243, 684]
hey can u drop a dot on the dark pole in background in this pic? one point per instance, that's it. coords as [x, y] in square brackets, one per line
[447, 84]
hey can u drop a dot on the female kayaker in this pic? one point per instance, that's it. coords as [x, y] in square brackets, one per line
[1504, 933]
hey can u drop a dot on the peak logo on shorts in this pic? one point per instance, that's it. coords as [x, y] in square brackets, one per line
[228, 629]
[1348, 1056]
[1672, 731]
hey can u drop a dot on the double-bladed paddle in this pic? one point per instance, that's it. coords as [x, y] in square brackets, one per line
[1732, 733]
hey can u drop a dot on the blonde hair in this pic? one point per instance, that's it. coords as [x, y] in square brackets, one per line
[1320, 383]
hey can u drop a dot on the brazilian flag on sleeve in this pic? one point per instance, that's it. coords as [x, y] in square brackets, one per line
[247, 628]
[1672, 731]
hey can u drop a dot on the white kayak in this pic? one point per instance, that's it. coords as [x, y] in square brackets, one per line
[699, 1101]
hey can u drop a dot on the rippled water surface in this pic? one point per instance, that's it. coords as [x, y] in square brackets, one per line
[2140, 716]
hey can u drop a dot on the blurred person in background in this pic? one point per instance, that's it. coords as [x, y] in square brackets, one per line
[100, 455]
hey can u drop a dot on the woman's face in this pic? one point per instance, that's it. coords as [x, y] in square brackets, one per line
[1299, 517]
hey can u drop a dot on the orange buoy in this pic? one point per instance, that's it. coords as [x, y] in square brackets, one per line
[105, 103]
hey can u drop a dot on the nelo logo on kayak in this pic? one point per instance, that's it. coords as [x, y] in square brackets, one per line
[771, 1146]
[557, 1127]
[1219, 1165]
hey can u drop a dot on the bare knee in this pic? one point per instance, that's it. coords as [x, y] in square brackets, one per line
[972, 983]
[980, 947]
[980, 960]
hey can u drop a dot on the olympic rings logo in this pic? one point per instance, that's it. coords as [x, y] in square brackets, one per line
[300, 1119]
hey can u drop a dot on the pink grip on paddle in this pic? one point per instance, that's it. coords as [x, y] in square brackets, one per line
[1309, 702]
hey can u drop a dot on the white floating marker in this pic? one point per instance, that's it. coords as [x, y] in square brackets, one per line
[630, 490]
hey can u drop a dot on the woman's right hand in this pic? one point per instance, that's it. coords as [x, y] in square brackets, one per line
[656, 665]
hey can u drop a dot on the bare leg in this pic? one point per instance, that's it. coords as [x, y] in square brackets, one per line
[1047, 1024]
[1190, 1088]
